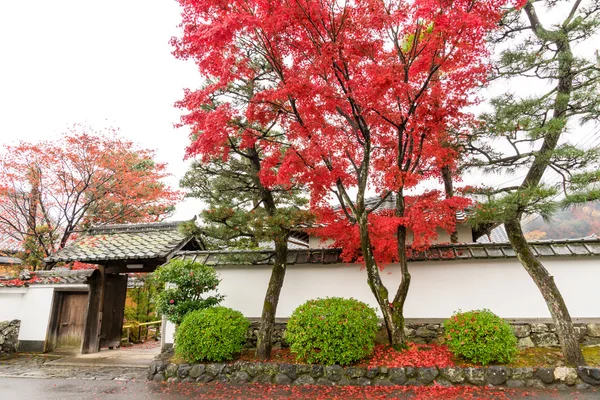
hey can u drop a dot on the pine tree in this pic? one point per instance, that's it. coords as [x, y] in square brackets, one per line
[539, 134]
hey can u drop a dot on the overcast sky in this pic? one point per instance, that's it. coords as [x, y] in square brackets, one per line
[105, 63]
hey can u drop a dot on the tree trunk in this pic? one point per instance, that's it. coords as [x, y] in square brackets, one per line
[545, 283]
[267, 320]
[449, 189]
[392, 316]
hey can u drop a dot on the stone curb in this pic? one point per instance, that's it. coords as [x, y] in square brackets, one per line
[241, 372]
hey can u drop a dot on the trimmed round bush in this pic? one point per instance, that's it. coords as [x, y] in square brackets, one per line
[332, 331]
[212, 334]
[480, 336]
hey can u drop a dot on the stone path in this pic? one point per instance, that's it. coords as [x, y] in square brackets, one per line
[41, 367]
[130, 363]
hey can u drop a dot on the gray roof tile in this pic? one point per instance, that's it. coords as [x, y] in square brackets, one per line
[462, 251]
[123, 242]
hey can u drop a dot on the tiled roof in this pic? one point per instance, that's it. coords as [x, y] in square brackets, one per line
[58, 277]
[463, 251]
[496, 235]
[123, 242]
[10, 260]
[8, 244]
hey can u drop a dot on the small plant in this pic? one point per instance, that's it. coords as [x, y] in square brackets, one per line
[480, 336]
[213, 334]
[192, 282]
[332, 331]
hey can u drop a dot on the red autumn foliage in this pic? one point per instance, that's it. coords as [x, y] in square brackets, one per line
[417, 355]
[365, 93]
[51, 190]
[268, 392]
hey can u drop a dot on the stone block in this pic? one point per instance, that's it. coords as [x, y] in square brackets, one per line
[158, 377]
[566, 375]
[362, 381]
[382, 381]
[590, 375]
[183, 370]
[496, 375]
[454, 375]
[475, 376]
[545, 339]
[525, 343]
[513, 383]
[397, 375]
[427, 375]
[304, 380]
[539, 328]
[171, 370]
[214, 369]
[324, 382]
[372, 372]
[355, 372]
[240, 377]
[593, 330]
[204, 378]
[197, 370]
[289, 370]
[424, 332]
[534, 383]
[282, 379]
[521, 331]
[334, 372]
[546, 375]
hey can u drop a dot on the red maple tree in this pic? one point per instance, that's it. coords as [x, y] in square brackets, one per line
[51, 190]
[369, 96]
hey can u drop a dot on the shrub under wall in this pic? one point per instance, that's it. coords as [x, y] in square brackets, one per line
[332, 331]
[480, 336]
[212, 334]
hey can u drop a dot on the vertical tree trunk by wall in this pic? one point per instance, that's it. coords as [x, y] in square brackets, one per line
[267, 321]
[545, 283]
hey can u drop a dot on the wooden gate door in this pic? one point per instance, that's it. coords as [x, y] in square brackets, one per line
[71, 319]
[115, 293]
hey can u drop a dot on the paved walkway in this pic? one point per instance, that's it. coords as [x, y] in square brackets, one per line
[128, 363]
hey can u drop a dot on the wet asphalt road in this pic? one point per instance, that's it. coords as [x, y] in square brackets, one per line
[68, 389]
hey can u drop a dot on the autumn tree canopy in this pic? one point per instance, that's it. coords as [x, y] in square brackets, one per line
[51, 190]
[365, 93]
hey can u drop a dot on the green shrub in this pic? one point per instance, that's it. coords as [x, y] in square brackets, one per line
[212, 334]
[332, 331]
[192, 282]
[480, 336]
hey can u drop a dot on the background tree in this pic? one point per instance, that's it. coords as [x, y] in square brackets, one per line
[364, 92]
[242, 213]
[235, 154]
[52, 190]
[531, 133]
[189, 286]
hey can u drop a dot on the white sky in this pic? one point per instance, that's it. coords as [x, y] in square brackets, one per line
[104, 63]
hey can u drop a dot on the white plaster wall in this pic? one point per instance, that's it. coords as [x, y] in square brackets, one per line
[11, 300]
[35, 312]
[168, 333]
[437, 289]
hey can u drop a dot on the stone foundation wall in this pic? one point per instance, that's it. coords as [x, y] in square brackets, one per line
[297, 374]
[9, 337]
[535, 334]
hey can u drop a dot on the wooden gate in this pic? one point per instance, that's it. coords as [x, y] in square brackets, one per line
[114, 305]
[69, 320]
